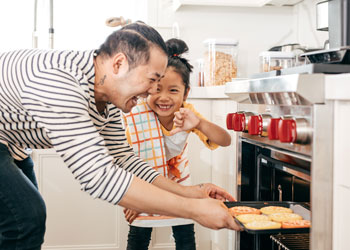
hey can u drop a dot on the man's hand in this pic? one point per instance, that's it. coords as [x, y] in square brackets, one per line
[214, 214]
[130, 215]
[184, 120]
[207, 190]
[216, 192]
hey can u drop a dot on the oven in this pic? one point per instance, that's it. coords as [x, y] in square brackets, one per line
[283, 153]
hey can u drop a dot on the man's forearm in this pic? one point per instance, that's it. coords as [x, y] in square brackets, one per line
[176, 188]
[145, 197]
[156, 200]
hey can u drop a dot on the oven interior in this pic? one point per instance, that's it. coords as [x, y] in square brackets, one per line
[290, 241]
[271, 175]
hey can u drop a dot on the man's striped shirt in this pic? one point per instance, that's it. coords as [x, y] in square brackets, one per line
[47, 100]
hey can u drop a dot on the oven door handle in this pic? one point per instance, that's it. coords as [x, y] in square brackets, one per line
[285, 167]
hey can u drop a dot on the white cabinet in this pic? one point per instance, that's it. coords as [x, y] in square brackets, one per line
[74, 219]
[234, 3]
[337, 91]
[224, 168]
[217, 166]
[341, 176]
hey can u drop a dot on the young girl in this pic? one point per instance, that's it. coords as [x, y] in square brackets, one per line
[158, 130]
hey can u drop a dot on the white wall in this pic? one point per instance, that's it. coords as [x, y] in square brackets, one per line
[257, 29]
[87, 29]
[78, 24]
[16, 24]
[305, 23]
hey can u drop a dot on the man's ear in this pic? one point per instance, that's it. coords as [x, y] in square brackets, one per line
[187, 92]
[119, 63]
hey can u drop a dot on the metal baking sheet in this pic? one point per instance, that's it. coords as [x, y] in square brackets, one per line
[301, 208]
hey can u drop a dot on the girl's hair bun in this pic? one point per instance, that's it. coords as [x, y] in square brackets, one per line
[176, 47]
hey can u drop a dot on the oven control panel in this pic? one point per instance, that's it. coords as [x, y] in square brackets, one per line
[286, 129]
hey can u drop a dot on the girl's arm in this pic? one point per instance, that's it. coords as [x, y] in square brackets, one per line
[186, 120]
[214, 133]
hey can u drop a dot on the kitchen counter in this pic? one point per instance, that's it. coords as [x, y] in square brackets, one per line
[212, 92]
[337, 87]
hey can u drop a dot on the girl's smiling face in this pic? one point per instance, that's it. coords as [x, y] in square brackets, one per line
[170, 95]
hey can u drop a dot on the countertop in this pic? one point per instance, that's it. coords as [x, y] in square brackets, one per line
[337, 87]
[212, 92]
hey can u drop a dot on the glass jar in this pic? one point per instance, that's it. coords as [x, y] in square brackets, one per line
[220, 61]
[276, 60]
[199, 73]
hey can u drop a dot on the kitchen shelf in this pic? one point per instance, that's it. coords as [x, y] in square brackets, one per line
[233, 3]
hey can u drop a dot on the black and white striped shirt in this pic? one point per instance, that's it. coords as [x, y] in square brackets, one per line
[47, 100]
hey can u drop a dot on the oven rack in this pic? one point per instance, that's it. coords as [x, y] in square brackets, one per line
[292, 241]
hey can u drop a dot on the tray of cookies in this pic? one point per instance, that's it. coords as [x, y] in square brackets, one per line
[270, 217]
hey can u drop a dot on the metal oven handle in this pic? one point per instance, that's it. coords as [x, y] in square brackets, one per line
[279, 192]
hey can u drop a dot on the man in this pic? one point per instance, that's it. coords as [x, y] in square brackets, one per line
[72, 101]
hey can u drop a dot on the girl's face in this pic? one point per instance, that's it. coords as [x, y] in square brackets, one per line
[169, 96]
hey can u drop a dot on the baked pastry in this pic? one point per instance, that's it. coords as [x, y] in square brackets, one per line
[296, 224]
[275, 209]
[234, 211]
[280, 217]
[263, 224]
[245, 218]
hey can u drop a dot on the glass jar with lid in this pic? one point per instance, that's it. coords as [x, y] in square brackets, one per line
[276, 60]
[220, 61]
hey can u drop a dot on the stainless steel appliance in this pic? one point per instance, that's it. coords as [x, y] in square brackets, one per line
[332, 16]
[284, 141]
[339, 32]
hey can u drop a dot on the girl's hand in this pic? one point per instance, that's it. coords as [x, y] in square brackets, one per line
[130, 215]
[184, 120]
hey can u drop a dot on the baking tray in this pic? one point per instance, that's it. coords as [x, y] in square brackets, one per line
[301, 208]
